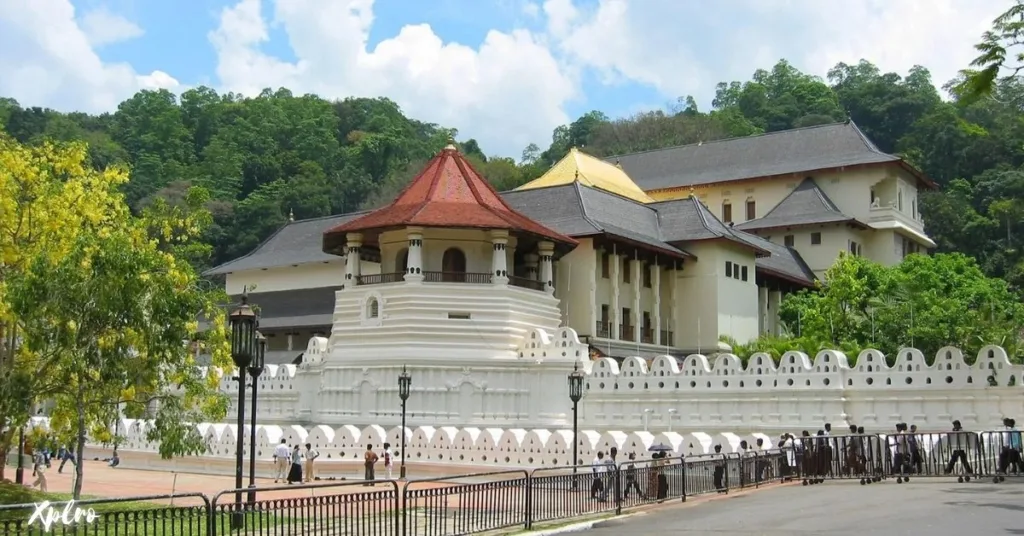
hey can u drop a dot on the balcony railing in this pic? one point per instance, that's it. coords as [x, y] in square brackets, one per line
[626, 333]
[380, 279]
[457, 277]
[647, 336]
[604, 329]
[525, 282]
[666, 338]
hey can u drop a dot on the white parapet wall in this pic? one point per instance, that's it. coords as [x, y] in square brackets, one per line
[712, 394]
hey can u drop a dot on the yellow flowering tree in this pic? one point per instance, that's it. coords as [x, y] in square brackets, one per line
[105, 310]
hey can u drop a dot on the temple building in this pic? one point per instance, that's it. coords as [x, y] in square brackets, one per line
[661, 252]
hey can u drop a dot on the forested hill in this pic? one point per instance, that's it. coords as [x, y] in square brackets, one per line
[262, 157]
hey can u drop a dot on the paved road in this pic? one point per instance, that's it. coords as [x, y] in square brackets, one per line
[932, 508]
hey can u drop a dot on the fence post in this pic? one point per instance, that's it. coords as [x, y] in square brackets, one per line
[618, 491]
[211, 514]
[529, 500]
[684, 477]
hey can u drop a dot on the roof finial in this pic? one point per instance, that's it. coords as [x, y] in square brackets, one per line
[577, 175]
[451, 144]
[691, 191]
[618, 164]
[291, 215]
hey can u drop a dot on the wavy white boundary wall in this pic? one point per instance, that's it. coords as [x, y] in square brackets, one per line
[696, 393]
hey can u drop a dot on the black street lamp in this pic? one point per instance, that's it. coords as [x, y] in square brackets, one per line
[255, 369]
[404, 383]
[575, 394]
[242, 321]
[19, 475]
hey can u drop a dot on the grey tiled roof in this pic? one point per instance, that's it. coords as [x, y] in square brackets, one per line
[783, 262]
[311, 307]
[688, 220]
[578, 210]
[777, 153]
[807, 204]
[295, 243]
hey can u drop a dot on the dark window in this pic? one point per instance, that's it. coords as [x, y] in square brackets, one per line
[647, 275]
[853, 247]
[743, 273]
[815, 239]
[728, 268]
[625, 271]
[605, 265]
[789, 241]
[604, 313]
[751, 210]
[726, 212]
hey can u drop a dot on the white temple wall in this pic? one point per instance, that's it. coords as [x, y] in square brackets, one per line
[692, 394]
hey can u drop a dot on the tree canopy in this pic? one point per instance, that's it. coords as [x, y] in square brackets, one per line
[98, 305]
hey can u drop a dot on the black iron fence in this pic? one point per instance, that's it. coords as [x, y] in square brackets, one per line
[485, 502]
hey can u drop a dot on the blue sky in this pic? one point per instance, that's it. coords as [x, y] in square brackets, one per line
[503, 71]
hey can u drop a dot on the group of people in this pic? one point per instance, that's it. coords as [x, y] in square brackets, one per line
[605, 469]
[43, 457]
[288, 463]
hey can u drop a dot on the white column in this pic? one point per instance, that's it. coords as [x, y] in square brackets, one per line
[656, 289]
[532, 260]
[352, 259]
[291, 341]
[616, 316]
[414, 263]
[673, 324]
[547, 272]
[762, 310]
[638, 315]
[499, 259]
[774, 302]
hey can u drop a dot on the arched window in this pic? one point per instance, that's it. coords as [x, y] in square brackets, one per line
[453, 265]
[372, 308]
[402, 261]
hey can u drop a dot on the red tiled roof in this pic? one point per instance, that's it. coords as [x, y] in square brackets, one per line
[447, 193]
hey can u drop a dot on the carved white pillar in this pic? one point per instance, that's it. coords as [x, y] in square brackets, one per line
[499, 259]
[673, 286]
[532, 261]
[762, 310]
[638, 315]
[291, 341]
[616, 319]
[352, 259]
[414, 263]
[547, 271]
[656, 290]
[774, 302]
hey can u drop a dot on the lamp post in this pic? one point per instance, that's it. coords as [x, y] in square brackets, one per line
[242, 321]
[404, 383]
[575, 394]
[671, 416]
[255, 369]
[19, 475]
[647, 417]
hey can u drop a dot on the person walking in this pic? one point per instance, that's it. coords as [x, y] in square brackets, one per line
[311, 455]
[719, 475]
[631, 483]
[389, 461]
[39, 460]
[597, 486]
[1009, 454]
[959, 442]
[916, 452]
[369, 459]
[282, 461]
[65, 456]
[295, 473]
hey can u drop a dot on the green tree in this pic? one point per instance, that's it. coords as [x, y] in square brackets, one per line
[1000, 57]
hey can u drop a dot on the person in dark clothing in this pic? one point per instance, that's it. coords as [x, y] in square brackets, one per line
[659, 474]
[916, 458]
[65, 455]
[719, 475]
[958, 442]
[631, 483]
[1010, 453]
[597, 467]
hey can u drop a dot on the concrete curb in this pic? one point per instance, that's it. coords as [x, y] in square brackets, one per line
[581, 526]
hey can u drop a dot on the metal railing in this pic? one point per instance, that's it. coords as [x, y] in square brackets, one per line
[626, 333]
[457, 277]
[525, 282]
[666, 338]
[486, 502]
[604, 330]
[381, 279]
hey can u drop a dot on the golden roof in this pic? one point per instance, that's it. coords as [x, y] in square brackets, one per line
[592, 172]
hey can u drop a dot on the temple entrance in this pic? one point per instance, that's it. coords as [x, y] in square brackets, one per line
[453, 266]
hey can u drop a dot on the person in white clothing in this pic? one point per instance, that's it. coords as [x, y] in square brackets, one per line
[311, 455]
[389, 461]
[282, 461]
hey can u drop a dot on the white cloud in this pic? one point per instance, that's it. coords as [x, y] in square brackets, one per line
[506, 93]
[687, 46]
[102, 27]
[47, 59]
